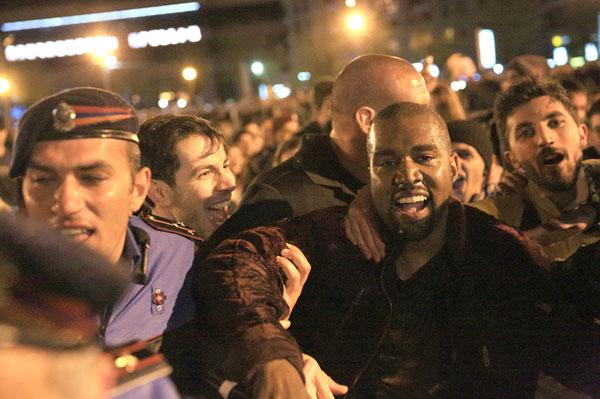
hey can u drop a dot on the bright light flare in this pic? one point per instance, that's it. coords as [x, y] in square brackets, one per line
[355, 22]
[257, 68]
[182, 103]
[4, 85]
[189, 73]
[350, 3]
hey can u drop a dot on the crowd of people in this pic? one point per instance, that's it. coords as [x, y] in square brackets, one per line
[383, 237]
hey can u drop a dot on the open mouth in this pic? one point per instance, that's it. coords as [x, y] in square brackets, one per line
[552, 158]
[459, 183]
[413, 205]
[76, 233]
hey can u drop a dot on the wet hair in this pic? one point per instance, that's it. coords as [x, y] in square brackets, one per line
[409, 110]
[523, 93]
[160, 135]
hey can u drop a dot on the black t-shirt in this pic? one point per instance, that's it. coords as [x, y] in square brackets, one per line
[408, 363]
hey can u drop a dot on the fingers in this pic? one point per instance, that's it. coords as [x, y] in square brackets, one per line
[294, 254]
[358, 237]
[296, 267]
[318, 384]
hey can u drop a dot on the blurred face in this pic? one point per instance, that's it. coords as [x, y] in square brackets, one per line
[469, 183]
[237, 160]
[580, 102]
[411, 174]
[546, 142]
[84, 189]
[594, 134]
[203, 186]
[32, 373]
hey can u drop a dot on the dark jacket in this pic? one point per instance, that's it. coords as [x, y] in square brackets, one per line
[502, 320]
[312, 179]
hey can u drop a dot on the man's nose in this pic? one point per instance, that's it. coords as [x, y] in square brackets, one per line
[226, 180]
[67, 198]
[545, 136]
[408, 173]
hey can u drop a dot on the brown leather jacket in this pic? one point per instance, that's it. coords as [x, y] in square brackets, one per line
[503, 319]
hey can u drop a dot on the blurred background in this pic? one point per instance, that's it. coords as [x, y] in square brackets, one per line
[141, 48]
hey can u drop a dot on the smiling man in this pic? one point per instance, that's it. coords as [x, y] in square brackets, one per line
[77, 159]
[436, 318]
[192, 182]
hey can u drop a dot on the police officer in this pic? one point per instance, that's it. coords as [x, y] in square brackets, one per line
[77, 159]
[50, 293]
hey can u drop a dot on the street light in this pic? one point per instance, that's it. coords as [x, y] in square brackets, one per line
[257, 68]
[189, 73]
[355, 22]
[4, 86]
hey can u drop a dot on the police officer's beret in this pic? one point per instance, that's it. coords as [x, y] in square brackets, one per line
[82, 112]
[51, 289]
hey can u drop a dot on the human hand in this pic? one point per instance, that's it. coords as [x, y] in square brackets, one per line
[569, 223]
[361, 225]
[318, 384]
[512, 182]
[296, 268]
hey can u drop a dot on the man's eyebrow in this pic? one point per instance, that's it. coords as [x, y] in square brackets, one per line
[81, 168]
[425, 147]
[553, 114]
[40, 167]
[94, 166]
[384, 152]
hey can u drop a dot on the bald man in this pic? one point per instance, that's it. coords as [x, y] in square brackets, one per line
[329, 170]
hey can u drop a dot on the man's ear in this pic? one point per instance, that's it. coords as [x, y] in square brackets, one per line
[160, 193]
[509, 157]
[364, 117]
[583, 135]
[141, 184]
[454, 165]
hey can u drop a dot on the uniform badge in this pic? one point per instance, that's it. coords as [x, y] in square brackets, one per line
[64, 116]
[158, 298]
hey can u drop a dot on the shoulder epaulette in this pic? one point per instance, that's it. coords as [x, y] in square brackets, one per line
[170, 226]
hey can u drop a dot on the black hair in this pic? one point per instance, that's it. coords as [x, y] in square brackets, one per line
[160, 135]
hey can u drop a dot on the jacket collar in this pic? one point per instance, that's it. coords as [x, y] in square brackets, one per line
[318, 160]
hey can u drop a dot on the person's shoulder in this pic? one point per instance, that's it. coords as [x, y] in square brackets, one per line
[501, 241]
[508, 208]
[160, 225]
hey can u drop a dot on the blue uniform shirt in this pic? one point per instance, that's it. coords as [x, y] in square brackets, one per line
[163, 303]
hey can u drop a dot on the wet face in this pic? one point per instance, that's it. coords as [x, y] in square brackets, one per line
[203, 186]
[412, 170]
[84, 189]
[546, 142]
[469, 183]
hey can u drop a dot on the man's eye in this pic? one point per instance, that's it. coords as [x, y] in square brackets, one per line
[92, 179]
[554, 123]
[388, 163]
[424, 158]
[203, 174]
[525, 133]
[42, 179]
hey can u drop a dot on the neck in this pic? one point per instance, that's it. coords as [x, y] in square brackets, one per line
[562, 198]
[351, 153]
[416, 254]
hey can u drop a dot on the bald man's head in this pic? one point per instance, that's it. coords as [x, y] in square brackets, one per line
[373, 82]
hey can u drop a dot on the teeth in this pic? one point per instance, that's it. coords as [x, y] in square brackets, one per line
[219, 206]
[73, 232]
[413, 199]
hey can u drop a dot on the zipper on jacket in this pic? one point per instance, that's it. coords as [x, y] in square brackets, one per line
[486, 356]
